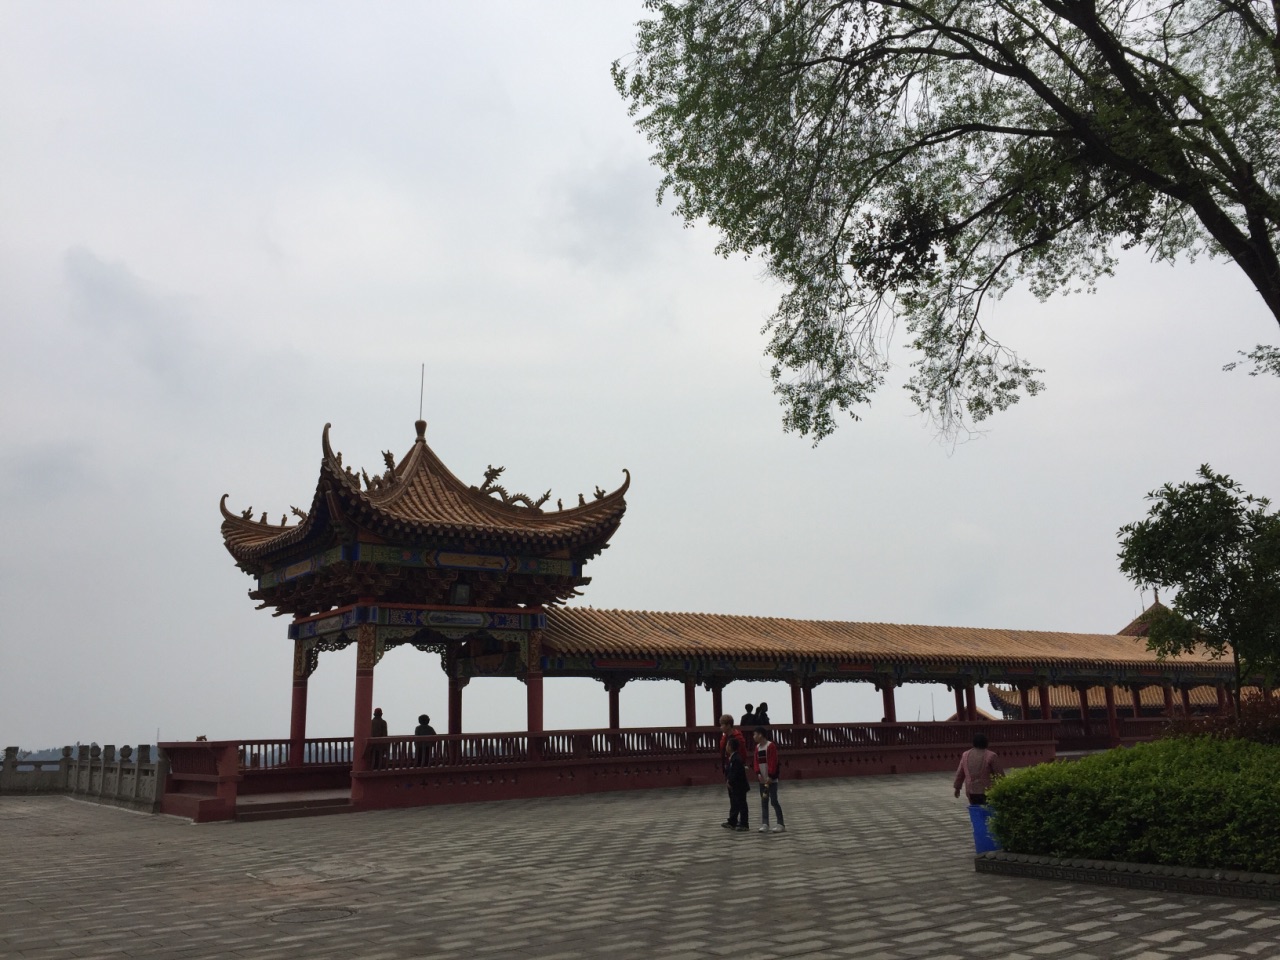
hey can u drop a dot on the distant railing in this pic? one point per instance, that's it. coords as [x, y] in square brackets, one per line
[490, 749]
[271, 754]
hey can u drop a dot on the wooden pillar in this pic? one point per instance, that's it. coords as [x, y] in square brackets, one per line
[366, 660]
[1135, 691]
[1085, 723]
[456, 685]
[533, 682]
[961, 713]
[1266, 693]
[691, 704]
[971, 696]
[298, 708]
[1024, 703]
[717, 701]
[797, 704]
[1186, 701]
[808, 704]
[1113, 722]
[615, 707]
[1168, 701]
[1222, 699]
[1046, 707]
[890, 708]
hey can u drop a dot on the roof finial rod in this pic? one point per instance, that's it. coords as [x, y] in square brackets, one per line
[422, 384]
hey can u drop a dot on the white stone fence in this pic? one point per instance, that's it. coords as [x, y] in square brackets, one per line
[128, 778]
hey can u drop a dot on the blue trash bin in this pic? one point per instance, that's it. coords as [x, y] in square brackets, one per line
[983, 842]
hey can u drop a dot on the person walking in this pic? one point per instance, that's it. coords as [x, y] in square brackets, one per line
[767, 770]
[977, 768]
[739, 787]
[728, 732]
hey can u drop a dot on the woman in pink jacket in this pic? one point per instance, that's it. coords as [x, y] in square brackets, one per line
[977, 767]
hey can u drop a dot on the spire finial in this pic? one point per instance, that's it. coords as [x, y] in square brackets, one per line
[422, 430]
[1157, 592]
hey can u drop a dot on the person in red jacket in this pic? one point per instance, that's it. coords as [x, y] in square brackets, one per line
[729, 732]
[767, 770]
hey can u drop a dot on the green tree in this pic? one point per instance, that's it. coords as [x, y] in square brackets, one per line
[1220, 549]
[902, 161]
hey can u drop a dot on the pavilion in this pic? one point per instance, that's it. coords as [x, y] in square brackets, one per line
[481, 576]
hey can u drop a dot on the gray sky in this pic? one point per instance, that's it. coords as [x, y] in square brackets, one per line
[222, 225]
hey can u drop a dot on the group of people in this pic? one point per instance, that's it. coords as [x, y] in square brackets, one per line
[764, 765]
[378, 728]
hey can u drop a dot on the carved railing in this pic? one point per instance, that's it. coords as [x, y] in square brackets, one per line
[128, 778]
[272, 754]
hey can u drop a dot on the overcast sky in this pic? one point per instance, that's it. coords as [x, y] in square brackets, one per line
[222, 225]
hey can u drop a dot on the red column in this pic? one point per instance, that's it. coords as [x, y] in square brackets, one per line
[1186, 701]
[298, 723]
[1113, 722]
[1085, 722]
[1168, 701]
[691, 704]
[971, 698]
[1135, 691]
[808, 704]
[961, 713]
[1024, 702]
[366, 658]
[1222, 699]
[1266, 693]
[615, 708]
[533, 691]
[1046, 708]
[455, 704]
[797, 704]
[890, 708]
[717, 703]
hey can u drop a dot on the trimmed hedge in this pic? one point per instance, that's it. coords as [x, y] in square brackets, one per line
[1198, 802]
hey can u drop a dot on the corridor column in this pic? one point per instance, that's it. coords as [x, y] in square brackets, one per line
[1046, 708]
[808, 704]
[1186, 701]
[615, 708]
[890, 708]
[456, 685]
[1136, 692]
[1085, 724]
[797, 704]
[717, 704]
[1168, 701]
[1024, 702]
[1113, 722]
[298, 709]
[961, 713]
[971, 701]
[691, 704]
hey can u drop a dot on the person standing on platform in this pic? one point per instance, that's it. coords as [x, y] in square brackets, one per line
[977, 768]
[377, 728]
[762, 716]
[767, 770]
[739, 787]
[424, 729]
[748, 721]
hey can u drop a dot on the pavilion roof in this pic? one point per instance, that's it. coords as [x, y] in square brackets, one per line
[1066, 697]
[1140, 625]
[638, 633]
[418, 499]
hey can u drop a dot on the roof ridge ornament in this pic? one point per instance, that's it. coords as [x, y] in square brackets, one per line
[511, 500]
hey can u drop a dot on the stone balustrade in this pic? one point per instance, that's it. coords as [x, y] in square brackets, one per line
[128, 778]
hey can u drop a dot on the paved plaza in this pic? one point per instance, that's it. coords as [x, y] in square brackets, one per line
[877, 868]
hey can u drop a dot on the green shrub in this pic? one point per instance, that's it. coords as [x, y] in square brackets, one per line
[1259, 721]
[1199, 802]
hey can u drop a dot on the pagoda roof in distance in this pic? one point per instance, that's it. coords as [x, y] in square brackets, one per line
[419, 499]
[642, 633]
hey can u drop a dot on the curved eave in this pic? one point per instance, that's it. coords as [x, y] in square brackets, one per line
[249, 540]
[424, 484]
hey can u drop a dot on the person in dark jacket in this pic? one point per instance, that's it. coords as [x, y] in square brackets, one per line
[377, 728]
[424, 729]
[762, 715]
[748, 720]
[739, 787]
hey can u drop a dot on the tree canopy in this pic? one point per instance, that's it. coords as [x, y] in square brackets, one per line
[900, 162]
[1219, 548]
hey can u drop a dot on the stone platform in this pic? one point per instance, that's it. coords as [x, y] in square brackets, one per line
[874, 868]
